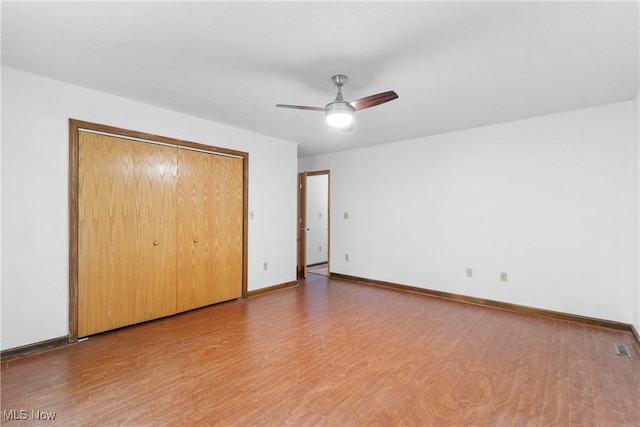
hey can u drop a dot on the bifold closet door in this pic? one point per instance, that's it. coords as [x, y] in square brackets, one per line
[126, 232]
[210, 220]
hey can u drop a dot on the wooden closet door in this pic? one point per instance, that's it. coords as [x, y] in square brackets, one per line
[126, 232]
[210, 218]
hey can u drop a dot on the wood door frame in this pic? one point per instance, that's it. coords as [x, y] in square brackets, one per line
[301, 268]
[301, 226]
[75, 127]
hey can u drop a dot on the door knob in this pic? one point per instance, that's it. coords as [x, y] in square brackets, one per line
[195, 240]
[156, 243]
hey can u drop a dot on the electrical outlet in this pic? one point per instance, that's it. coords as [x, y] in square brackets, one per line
[469, 272]
[265, 266]
[346, 257]
[319, 248]
[503, 277]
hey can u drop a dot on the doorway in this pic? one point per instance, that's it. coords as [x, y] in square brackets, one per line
[314, 223]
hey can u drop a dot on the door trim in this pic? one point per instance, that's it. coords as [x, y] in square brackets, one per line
[301, 269]
[301, 227]
[75, 127]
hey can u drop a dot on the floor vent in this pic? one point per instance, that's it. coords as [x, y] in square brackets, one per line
[622, 350]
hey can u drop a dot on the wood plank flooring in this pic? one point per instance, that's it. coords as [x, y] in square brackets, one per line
[331, 352]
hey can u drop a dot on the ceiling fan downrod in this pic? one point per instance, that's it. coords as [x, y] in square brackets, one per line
[339, 80]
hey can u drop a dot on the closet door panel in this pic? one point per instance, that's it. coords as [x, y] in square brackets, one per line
[228, 227]
[127, 234]
[209, 229]
[195, 283]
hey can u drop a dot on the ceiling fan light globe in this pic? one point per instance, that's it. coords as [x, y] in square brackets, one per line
[340, 120]
[339, 114]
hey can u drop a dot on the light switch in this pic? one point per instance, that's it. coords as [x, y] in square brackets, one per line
[469, 272]
[251, 215]
[345, 215]
[503, 277]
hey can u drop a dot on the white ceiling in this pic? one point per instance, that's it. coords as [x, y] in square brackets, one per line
[454, 65]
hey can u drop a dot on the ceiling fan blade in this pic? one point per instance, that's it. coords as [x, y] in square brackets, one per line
[373, 100]
[300, 107]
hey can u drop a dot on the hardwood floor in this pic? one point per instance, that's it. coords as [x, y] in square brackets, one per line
[332, 352]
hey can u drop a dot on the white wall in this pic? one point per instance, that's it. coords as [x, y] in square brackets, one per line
[317, 219]
[35, 234]
[549, 200]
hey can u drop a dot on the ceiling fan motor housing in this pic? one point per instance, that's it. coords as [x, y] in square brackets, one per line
[341, 106]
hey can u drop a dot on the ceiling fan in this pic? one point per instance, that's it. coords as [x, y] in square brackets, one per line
[339, 113]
